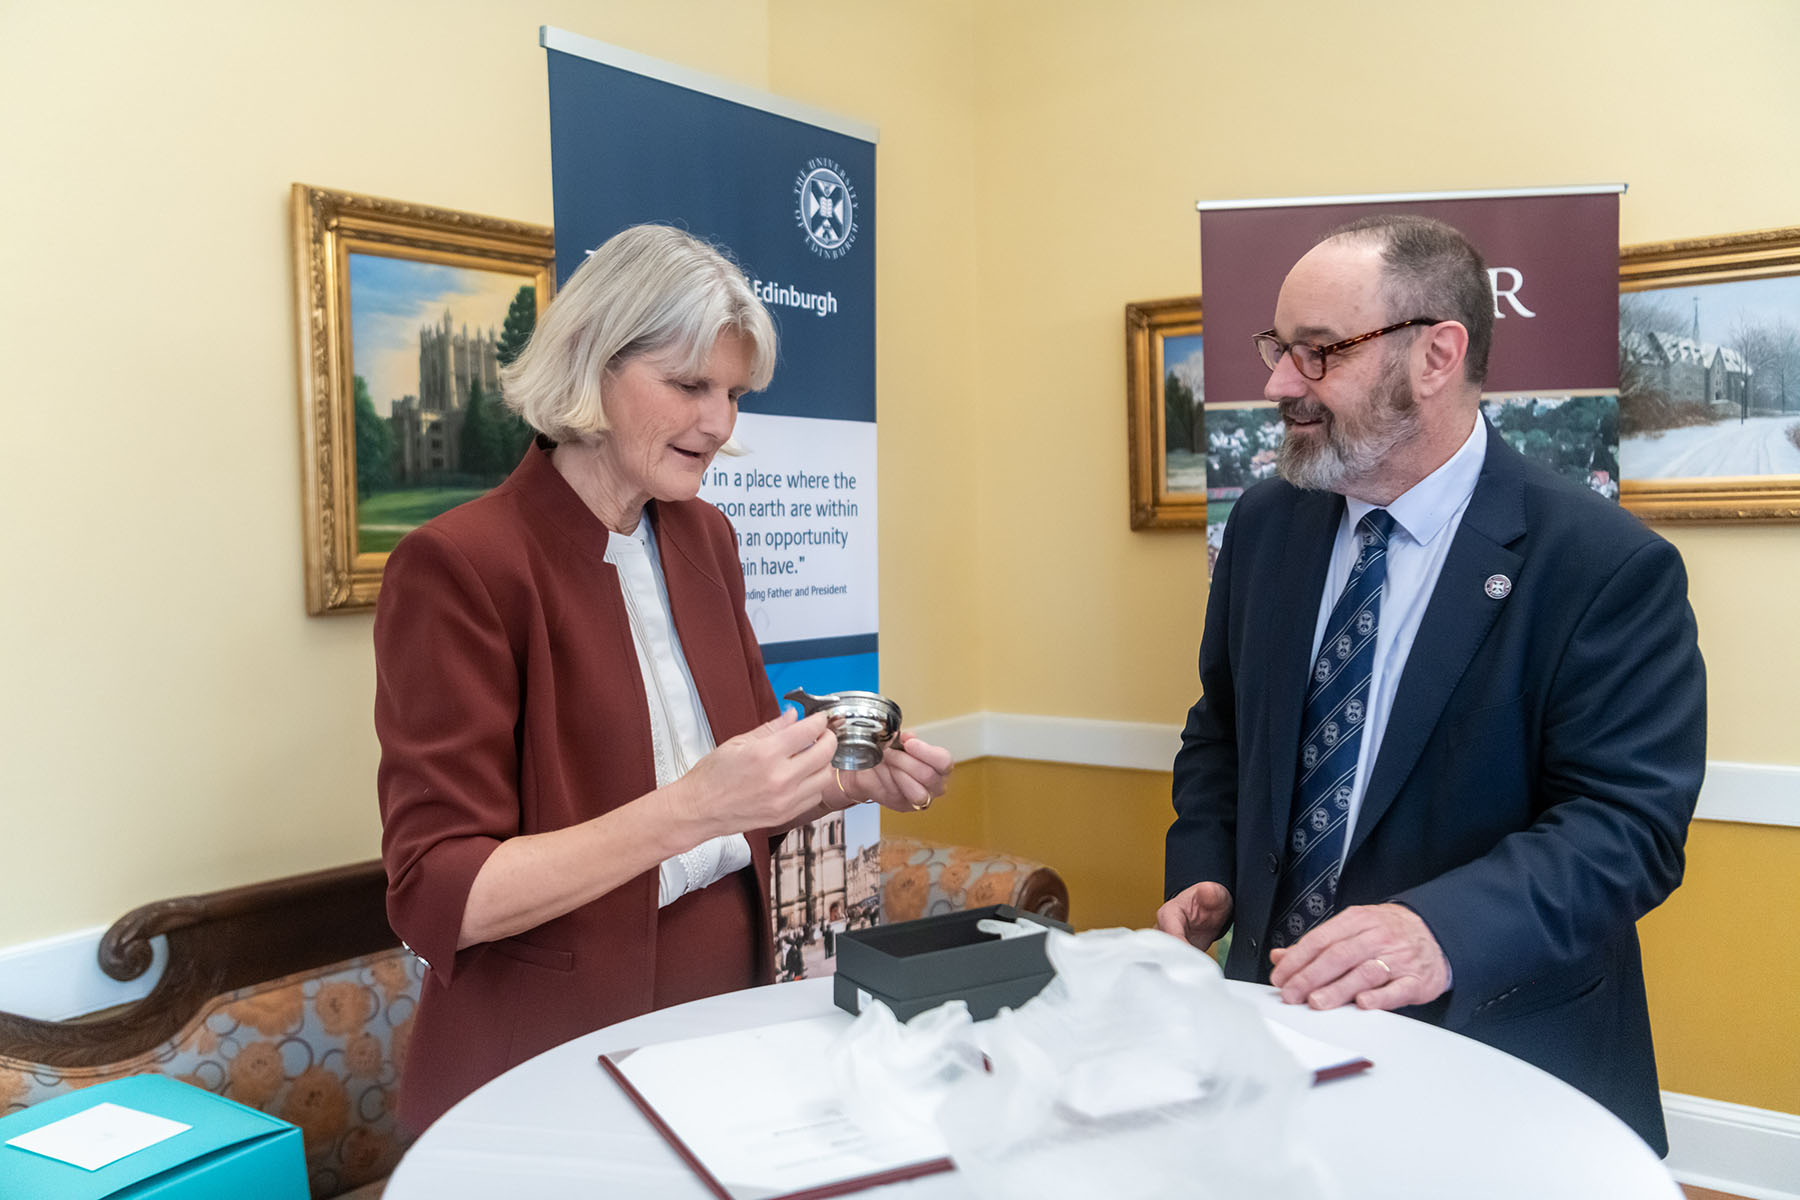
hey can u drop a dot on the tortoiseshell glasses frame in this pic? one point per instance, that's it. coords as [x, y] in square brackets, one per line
[1309, 359]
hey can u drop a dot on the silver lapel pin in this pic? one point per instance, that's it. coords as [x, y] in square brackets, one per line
[1498, 587]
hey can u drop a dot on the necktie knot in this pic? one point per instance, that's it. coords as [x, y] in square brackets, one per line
[1375, 528]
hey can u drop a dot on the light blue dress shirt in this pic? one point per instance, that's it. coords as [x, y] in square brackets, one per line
[1425, 522]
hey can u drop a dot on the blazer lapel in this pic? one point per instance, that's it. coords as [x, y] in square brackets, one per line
[1287, 652]
[1456, 621]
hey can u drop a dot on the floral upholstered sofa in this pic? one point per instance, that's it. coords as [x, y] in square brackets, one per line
[292, 997]
[923, 879]
[321, 1049]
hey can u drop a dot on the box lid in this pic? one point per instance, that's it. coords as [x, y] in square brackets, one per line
[216, 1124]
[941, 955]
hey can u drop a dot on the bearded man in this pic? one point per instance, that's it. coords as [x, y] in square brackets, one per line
[1453, 714]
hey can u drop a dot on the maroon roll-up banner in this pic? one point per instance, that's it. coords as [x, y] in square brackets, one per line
[1553, 258]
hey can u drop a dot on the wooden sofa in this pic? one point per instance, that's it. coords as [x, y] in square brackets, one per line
[293, 996]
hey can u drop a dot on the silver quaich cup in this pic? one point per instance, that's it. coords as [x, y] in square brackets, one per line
[866, 724]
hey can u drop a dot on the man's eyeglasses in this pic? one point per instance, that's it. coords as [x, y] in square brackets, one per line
[1310, 359]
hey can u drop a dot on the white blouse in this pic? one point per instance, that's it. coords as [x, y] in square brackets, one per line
[679, 731]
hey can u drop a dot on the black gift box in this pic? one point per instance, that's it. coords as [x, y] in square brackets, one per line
[915, 965]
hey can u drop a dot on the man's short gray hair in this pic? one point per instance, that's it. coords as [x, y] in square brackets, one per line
[1429, 269]
[649, 289]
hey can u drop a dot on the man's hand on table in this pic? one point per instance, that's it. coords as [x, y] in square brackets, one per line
[1377, 956]
[1197, 914]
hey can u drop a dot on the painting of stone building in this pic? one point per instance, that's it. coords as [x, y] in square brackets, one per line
[1688, 372]
[427, 344]
[454, 365]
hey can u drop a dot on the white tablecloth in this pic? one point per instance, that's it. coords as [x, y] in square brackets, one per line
[1439, 1116]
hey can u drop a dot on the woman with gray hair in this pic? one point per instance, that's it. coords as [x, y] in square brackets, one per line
[583, 764]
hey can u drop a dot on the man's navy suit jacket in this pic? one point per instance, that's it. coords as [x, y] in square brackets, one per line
[1532, 791]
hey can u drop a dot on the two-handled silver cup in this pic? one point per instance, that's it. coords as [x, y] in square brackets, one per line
[866, 724]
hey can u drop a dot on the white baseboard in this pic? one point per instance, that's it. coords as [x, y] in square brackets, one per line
[1075, 740]
[59, 977]
[1750, 1152]
[1753, 793]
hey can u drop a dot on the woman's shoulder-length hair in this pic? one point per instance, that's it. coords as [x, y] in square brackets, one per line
[649, 289]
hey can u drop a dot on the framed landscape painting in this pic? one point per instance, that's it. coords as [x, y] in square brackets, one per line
[1165, 429]
[406, 315]
[1709, 377]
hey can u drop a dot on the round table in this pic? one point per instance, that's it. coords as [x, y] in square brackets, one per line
[1438, 1115]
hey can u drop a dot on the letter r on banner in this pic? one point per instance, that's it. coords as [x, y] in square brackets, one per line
[1515, 281]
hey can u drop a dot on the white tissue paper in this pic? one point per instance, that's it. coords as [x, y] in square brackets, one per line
[1134, 1074]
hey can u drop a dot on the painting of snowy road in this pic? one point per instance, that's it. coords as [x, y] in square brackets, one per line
[1751, 446]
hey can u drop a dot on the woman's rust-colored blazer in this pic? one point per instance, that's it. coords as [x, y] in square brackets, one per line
[509, 701]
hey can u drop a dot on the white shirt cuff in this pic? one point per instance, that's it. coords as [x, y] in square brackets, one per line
[704, 865]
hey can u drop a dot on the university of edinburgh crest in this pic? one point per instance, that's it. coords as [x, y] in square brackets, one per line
[825, 206]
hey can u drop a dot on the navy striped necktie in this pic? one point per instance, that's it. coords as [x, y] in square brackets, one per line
[1337, 705]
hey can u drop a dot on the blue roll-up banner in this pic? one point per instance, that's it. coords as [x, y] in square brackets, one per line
[789, 193]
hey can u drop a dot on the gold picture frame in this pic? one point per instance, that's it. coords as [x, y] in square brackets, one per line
[1150, 326]
[457, 250]
[1734, 271]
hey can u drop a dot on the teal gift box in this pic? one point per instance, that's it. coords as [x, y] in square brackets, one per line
[229, 1152]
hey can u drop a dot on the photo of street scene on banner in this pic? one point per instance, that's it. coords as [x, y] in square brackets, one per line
[824, 880]
[1709, 380]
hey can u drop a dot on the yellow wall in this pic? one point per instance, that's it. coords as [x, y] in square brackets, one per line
[912, 70]
[1100, 130]
[173, 722]
[1102, 125]
[1101, 829]
[1724, 984]
[171, 719]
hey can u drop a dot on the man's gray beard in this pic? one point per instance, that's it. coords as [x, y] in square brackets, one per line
[1348, 454]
